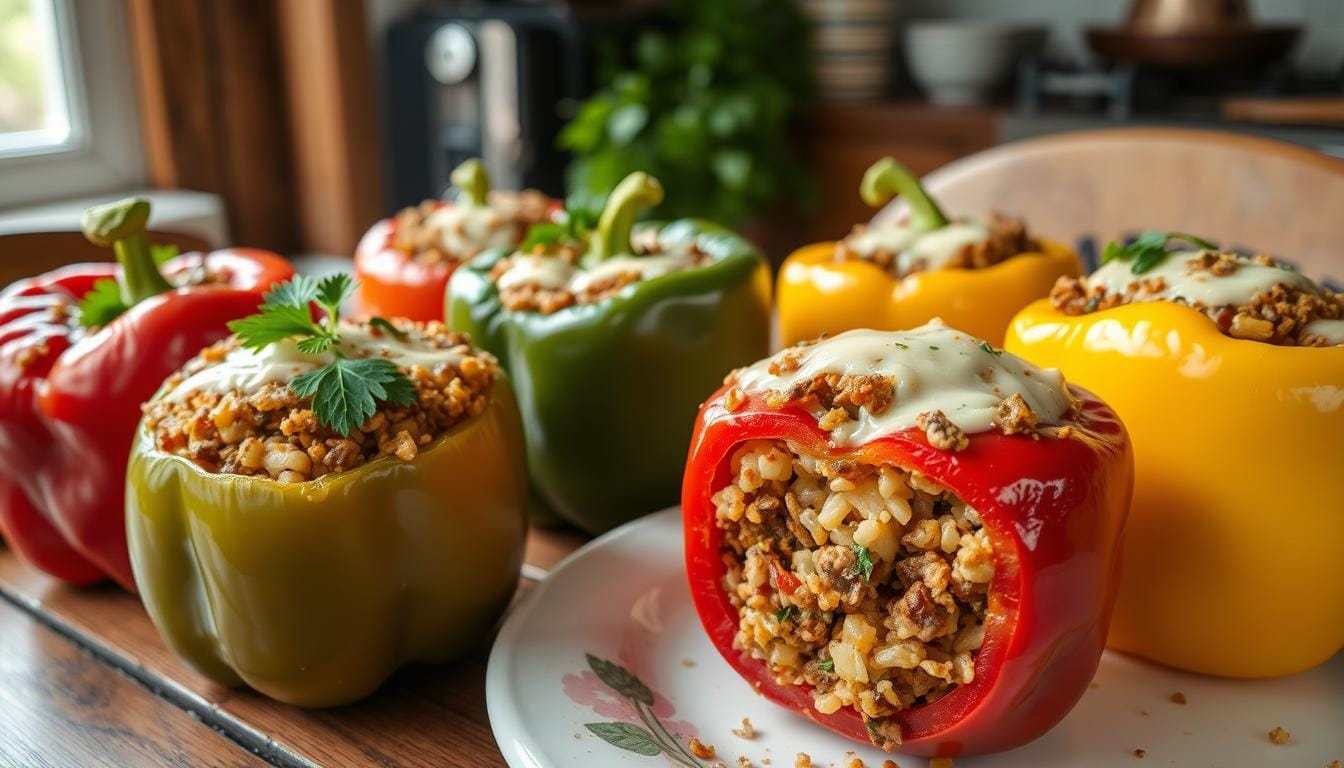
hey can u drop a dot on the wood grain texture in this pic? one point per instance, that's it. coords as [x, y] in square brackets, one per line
[60, 706]
[1242, 191]
[328, 73]
[423, 716]
[212, 107]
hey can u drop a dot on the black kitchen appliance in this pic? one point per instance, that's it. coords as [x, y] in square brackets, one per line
[491, 80]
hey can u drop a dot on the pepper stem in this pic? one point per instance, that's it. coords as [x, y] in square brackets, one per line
[887, 179]
[472, 181]
[635, 193]
[121, 226]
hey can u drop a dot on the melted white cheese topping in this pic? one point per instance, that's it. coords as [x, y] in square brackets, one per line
[915, 250]
[1331, 330]
[465, 229]
[936, 368]
[247, 371]
[1239, 287]
[554, 273]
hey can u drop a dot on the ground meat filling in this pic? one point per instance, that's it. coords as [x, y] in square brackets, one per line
[868, 583]
[416, 233]
[534, 297]
[272, 433]
[1007, 238]
[1277, 316]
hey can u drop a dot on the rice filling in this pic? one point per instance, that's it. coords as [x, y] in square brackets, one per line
[868, 583]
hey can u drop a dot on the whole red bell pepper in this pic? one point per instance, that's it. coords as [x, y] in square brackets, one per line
[70, 394]
[1054, 509]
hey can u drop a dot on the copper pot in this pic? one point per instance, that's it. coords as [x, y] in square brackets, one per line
[1182, 16]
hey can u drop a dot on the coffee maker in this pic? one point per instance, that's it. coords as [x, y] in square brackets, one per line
[492, 80]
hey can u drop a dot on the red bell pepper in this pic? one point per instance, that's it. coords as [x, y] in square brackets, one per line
[396, 282]
[1054, 509]
[70, 395]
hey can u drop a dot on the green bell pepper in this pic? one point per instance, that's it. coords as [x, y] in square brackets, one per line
[314, 592]
[609, 390]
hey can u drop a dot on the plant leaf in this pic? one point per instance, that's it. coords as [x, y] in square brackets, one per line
[346, 392]
[827, 665]
[275, 322]
[101, 305]
[631, 738]
[335, 290]
[786, 613]
[864, 564]
[620, 680]
[163, 253]
[298, 291]
[991, 350]
[545, 234]
[388, 327]
[316, 345]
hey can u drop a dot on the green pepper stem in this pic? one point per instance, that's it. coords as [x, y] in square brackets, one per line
[472, 181]
[887, 179]
[121, 225]
[635, 193]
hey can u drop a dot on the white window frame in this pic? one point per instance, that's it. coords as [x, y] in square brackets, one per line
[102, 152]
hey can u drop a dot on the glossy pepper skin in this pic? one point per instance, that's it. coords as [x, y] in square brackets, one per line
[70, 397]
[313, 593]
[819, 295]
[1236, 522]
[1054, 509]
[609, 390]
[393, 283]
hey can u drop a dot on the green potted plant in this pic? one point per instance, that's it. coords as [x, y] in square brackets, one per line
[707, 106]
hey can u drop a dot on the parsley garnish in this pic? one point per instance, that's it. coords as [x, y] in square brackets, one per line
[865, 562]
[386, 326]
[899, 345]
[164, 253]
[101, 305]
[786, 613]
[1149, 249]
[345, 392]
[995, 352]
[572, 226]
[827, 666]
[934, 348]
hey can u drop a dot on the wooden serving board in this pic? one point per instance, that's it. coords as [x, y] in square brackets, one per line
[85, 680]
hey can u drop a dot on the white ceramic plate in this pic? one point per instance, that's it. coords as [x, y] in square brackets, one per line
[623, 600]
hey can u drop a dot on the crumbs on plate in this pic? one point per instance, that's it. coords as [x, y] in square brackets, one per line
[701, 750]
[1279, 735]
[1177, 698]
[746, 731]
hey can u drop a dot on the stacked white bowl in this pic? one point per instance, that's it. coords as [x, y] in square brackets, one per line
[852, 41]
[961, 62]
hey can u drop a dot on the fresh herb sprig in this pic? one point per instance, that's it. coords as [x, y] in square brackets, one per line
[573, 225]
[1149, 249]
[345, 392]
[786, 613]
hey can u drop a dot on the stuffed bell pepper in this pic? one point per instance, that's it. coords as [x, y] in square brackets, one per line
[612, 337]
[80, 349]
[313, 504]
[911, 538]
[1222, 366]
[973, 273]
[403, 263]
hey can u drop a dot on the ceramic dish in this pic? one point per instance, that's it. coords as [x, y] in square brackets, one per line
[605, 664]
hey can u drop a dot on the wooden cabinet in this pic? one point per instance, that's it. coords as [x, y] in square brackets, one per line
[841, 141]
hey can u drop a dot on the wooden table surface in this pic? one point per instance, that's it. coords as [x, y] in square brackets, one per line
[86, 681]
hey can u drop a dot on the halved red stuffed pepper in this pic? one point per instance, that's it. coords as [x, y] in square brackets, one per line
[403, 263]
[911, 538]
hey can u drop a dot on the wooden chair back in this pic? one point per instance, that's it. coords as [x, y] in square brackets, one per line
[1088, 187]
[23, 254]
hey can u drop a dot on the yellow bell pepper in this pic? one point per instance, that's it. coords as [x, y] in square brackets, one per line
[819, 294]
[1237, 524]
